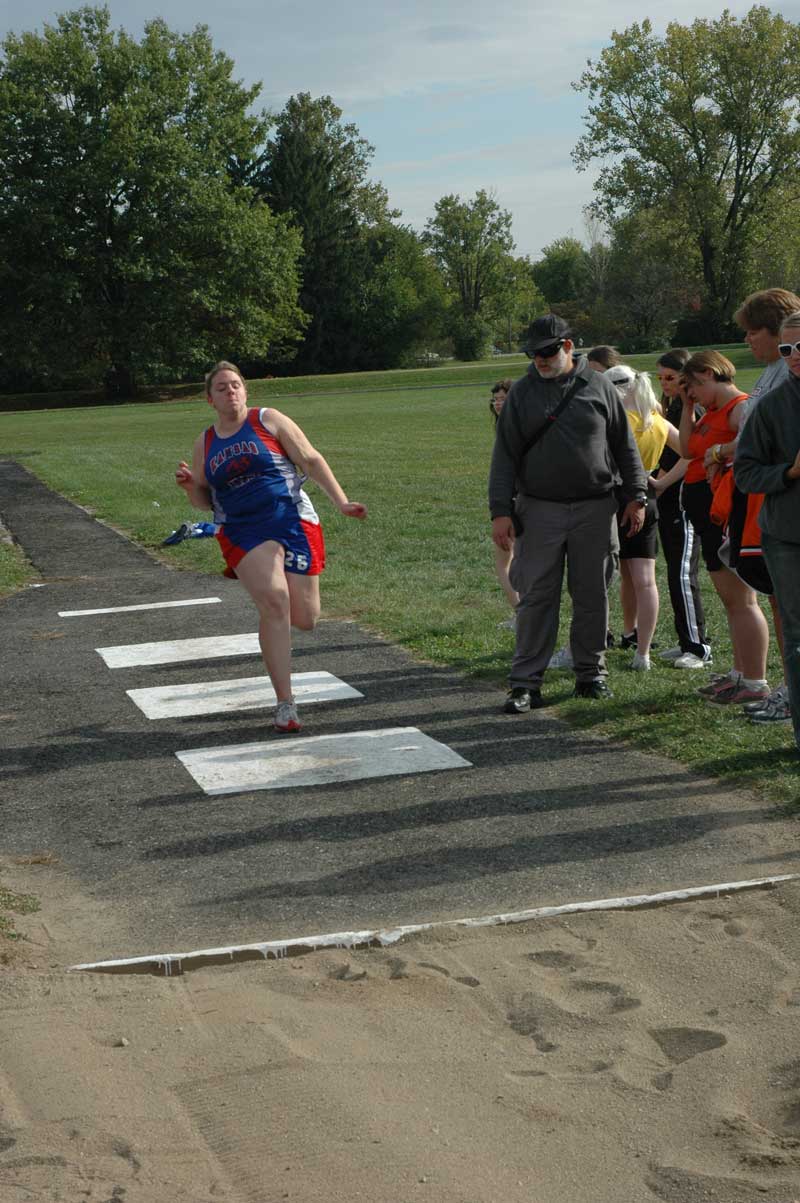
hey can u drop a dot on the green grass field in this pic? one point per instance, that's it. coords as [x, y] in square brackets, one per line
[420, 569]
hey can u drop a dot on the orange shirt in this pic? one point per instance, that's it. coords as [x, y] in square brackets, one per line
[713, 427]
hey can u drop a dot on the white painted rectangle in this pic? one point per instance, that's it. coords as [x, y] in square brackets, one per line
[287, 761]
[246, 693]
[191, 601]
[173, 651]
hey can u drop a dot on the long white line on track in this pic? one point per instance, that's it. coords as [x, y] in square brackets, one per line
[169, 963]
[191, 601]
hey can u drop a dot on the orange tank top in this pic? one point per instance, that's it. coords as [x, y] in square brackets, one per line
[713, 427]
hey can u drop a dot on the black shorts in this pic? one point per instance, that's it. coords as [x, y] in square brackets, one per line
[644, 544]
[696, 498]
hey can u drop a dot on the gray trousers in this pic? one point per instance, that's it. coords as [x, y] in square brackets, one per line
[783, 562]
[584, 534]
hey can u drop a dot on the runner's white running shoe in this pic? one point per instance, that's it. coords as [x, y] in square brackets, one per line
[286, 720]
[689, 660]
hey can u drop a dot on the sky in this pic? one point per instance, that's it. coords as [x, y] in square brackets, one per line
[454, 95]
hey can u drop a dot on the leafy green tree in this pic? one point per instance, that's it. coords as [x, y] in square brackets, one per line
[702, 122]
[403, 301]
[315, 173]
[653, 277]
[126, 251]
[562, 273]
[470, 243]
[519, 301]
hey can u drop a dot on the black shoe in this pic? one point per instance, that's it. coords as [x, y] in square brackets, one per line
[592, 689]
[626, 641]
[519, 700]
[609, 638]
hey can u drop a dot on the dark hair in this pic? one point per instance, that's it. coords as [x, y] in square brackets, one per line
[609, 357]
[498, 387]
[766, 309]
[675, 359]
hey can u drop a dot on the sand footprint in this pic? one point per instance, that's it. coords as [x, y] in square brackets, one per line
[681, 1044]
[682, 1186]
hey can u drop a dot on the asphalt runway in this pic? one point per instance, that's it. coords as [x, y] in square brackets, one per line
[541, 815]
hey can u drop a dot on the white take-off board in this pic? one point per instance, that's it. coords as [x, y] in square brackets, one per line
[167, 605]
[297, 760]
[246, 693]
[174, 651]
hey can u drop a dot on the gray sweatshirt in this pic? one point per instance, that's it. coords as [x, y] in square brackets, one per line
[585, 453]
[767, 447]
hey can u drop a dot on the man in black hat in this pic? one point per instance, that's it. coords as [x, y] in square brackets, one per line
[563, 455]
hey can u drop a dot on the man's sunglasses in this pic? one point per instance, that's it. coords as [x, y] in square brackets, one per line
[546, 352]
[785, 349]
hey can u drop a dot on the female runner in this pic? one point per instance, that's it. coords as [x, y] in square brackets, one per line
[249, 467]
[709, 379]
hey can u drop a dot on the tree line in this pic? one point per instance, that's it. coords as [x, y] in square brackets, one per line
[152, 222]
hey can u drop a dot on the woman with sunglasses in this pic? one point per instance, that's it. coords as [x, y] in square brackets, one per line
[768, 461]
[709, 379]
[503, 558]
[679, 543]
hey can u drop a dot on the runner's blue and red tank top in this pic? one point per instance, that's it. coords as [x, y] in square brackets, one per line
[258, 497]
[249, 472]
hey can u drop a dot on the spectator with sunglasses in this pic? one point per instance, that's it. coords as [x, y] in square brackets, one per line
[768, 461]
[563, 448]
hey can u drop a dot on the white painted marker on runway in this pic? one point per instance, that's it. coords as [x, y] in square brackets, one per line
[176, 962]
[288, 761]
[174, 651]
[245, 693]
[191, 601]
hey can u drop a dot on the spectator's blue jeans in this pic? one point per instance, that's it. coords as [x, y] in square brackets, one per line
[783, 561]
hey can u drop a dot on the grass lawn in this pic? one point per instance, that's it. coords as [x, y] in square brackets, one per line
[420, 569]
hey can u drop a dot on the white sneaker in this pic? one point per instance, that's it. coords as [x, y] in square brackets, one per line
[508, 624]
[689, 660]
[640, 664]
[286, 720]
[672, 653]
[561, 659]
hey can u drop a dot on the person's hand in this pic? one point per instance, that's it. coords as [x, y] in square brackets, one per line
[353, 509]
[503, 533]
[632, 519]
[183, 475]
[794, 472]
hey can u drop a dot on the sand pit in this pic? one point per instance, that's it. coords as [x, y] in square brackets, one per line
[615, 1057]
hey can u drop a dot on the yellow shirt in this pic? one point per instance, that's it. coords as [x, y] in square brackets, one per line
[650, 442]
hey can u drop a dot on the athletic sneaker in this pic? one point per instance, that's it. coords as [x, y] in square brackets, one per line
[718, 682]
[508, 624]
[779, 694]
[737, 693]
[640, 664]
[626, 641]
[690, 660]
[672, 653]
[596, 690]
[561, 659]
[520, 700]
[777, 701]
[286, 720]
[776, 709]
